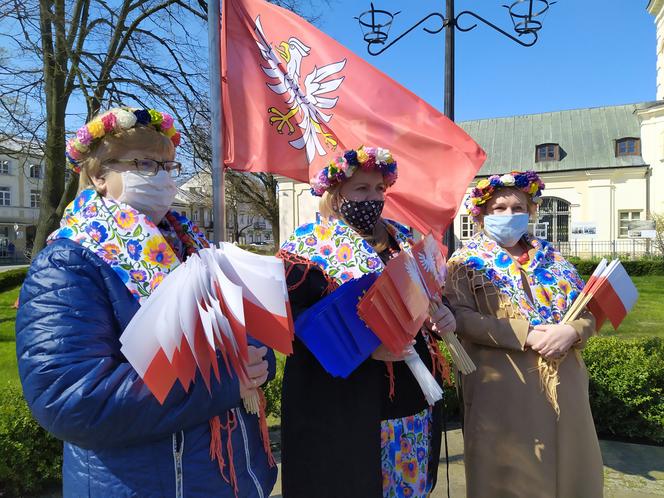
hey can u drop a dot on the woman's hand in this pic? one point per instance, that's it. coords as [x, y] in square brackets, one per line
[442, 320]
[256, 370]
[381, 353]
[552, 341]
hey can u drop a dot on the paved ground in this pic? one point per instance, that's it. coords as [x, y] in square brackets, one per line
[630, 470]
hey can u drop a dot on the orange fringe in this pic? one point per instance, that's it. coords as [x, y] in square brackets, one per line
[215, 444]
[439, 363]
[295, 259]
[265, 435]
[216, 451]
[390, 372]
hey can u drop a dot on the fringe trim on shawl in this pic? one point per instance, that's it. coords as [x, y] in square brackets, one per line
[549, 380]
[265, 435]
[216, 451]
[390, 373]
[295, 259]
[439, 363]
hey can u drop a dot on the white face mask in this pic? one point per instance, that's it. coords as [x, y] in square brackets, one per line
[151, 195]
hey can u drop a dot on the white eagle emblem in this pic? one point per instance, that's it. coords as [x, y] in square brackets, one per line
[306, 104]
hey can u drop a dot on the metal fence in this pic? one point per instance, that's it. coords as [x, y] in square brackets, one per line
[619, 248]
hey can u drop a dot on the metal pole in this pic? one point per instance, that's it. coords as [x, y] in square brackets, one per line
[449, 60]
[449, 92]
[216, 130]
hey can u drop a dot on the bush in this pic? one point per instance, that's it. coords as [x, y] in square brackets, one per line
[654, 266]
[30, 458]
[273, 389]
[627, 387]
[11, 278]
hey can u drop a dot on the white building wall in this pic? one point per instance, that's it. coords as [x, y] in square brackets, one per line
[652, 151]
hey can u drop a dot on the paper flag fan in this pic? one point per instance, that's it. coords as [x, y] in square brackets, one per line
[334, 333]
[397, 304]
[431, 265]
[208, 304]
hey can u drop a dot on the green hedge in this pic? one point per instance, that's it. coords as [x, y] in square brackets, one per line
[627, 387]
[273, 389]
[626, 396]
[654, 266]
[30, 458]
[11, 278]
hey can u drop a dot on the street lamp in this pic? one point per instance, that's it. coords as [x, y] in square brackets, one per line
[526, 23]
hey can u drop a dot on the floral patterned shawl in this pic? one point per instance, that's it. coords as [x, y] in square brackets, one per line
[140, 252]
[338, 250]
[554, 281]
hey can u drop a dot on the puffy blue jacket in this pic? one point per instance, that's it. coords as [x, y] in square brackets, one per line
[119, 441]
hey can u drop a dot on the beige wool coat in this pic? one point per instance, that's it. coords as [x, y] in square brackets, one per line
[514, 444]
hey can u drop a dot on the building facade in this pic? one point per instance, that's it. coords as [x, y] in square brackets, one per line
[603, 169]
[21, 172]
[243, 225]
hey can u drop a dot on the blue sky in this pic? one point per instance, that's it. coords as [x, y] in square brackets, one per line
[590, 53]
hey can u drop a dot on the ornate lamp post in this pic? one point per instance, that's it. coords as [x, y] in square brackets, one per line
[376, 24]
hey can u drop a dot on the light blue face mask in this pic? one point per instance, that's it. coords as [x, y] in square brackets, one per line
[506, 229]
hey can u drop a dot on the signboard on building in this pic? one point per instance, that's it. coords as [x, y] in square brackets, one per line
[641, 229]
[584, 230]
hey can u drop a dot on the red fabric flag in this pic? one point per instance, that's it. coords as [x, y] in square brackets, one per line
[293, 98]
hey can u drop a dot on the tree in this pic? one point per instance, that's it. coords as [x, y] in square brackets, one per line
[659, 232]
[260, 191]
[72, 58]
[75, 57]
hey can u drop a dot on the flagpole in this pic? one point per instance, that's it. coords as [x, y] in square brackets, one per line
[216, 130]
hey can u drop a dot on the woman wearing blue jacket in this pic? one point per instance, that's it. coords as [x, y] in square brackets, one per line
[116, 244]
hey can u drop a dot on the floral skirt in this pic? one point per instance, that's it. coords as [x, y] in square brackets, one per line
[405, 446]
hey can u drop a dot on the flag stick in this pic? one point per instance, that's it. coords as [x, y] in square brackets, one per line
[216, 130]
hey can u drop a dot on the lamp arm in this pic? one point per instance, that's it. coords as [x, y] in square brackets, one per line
[444, 23]
[496, 28]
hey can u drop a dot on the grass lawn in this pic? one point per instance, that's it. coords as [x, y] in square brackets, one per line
[647, 317]
[645, 320]
[8, 369]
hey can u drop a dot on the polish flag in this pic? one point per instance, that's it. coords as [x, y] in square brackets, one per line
[614, 293]
[608, 294]
[293, 98]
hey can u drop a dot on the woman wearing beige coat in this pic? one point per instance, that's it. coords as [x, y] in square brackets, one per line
[510, 292]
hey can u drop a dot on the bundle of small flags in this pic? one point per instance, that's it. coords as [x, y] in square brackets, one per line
[208, 304]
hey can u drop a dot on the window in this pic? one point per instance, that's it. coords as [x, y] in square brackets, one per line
[624, 217]
[555, 213]
[5, 196]
[628, 146]
[467, 227]
[35, 171]
[547, 152]
[35, 198]
[195, 216]
[4, 167]
[4, 242]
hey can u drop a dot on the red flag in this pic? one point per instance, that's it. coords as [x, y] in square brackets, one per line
[293, 98]
[614, 294]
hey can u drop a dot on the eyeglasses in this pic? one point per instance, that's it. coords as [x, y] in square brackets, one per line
[150, 167]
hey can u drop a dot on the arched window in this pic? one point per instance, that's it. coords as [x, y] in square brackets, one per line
[555, 213]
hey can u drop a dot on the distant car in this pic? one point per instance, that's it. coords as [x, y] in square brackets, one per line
[259, 244]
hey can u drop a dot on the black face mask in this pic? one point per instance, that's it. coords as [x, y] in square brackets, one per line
[362, 215]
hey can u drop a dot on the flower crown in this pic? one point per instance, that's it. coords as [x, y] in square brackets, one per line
[345, 165]
[527, 181]
[115, 120]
